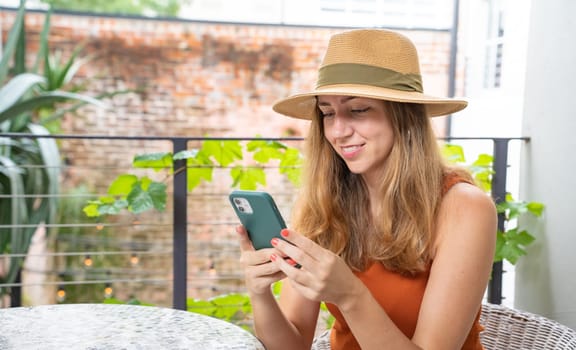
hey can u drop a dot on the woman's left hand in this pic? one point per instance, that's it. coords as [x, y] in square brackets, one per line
[322, 275]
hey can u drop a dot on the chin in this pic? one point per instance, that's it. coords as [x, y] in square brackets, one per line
[356, 170]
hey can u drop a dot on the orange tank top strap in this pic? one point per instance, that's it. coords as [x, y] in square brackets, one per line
[451, 179]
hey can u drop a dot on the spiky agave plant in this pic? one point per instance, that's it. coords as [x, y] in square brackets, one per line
[29, 166]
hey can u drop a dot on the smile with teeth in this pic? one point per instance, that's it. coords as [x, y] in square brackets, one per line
[349, 151]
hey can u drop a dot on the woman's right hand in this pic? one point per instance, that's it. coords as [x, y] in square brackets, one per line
[259, 271]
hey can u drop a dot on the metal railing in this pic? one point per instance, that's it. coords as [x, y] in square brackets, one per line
[180, 211]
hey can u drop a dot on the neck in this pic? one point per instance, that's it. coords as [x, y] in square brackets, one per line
[373, 193]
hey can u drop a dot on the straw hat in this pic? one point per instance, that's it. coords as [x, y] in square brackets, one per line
[370, 63]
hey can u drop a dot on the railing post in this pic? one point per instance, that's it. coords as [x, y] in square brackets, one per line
[499, 195]
[180, 236]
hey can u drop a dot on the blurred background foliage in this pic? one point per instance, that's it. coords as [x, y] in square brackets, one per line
[153, 8]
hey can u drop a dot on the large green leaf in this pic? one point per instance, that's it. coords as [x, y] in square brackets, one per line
[223, 151]
[50, 159]
[20, 57]
[514, 209]
[265, 150]
[510, 245]
[122, 185]
[157, 161]
[247, 178]
[142, 198]
[13, 210]
[43, 50]
[32, 169]
[199, 167]
[231, 306]
[62, 110]
[46, 99]
[11, 42]
[157, 192]
[453, 153]
[291, 165]
[59, 74]
[199, 306]
[16, 88]
[12, 239]
[535, 208]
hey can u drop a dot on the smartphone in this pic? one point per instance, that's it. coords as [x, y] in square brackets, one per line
[259, 214]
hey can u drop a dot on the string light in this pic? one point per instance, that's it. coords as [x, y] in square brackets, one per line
[108, 291]
[134, 259]
[88, 261]
[60, 294]
[212, 269]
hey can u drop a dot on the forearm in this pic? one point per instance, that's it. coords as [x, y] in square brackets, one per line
[371, 326]
[271, 325]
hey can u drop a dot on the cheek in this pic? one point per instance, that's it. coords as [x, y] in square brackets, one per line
[328, 133]
[385, 144]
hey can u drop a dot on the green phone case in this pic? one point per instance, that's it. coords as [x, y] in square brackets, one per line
[259, 214]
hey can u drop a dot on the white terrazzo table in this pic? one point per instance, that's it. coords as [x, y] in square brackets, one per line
[115, 327]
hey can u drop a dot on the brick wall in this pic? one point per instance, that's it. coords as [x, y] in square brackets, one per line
[195, 79]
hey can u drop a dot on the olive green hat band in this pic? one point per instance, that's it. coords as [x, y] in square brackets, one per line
[354, 73]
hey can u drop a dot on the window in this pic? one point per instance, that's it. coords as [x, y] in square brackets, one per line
[388, 13]
[494, 45]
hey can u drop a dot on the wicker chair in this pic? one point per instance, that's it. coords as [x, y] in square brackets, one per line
[507, 328]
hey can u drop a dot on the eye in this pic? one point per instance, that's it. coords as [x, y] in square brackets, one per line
[326, 114]
[360, 110]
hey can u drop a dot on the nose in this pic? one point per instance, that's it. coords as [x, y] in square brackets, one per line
[340, 125]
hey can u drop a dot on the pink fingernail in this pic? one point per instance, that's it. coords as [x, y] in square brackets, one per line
[285, 232]
[274, 241]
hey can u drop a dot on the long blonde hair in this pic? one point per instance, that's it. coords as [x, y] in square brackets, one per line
[333, 208]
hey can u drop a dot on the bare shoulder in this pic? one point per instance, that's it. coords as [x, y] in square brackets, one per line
[466, 210]
[467, 199]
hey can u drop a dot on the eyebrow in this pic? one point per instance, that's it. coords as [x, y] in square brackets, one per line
[344, 99]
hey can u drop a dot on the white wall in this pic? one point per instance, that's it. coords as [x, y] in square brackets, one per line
[546, 277]
[494, 112]
[354, 13]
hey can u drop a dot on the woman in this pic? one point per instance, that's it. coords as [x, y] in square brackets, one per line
[397, 243]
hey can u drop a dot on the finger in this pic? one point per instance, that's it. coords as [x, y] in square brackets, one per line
[302, 242]
[302, 280]
[293, 271]
[284, 262]
[245, 243]
[256, 257]
[299, 248]
[267, 269]
[258, 283]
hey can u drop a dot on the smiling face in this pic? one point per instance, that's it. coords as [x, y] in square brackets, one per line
[359, 131]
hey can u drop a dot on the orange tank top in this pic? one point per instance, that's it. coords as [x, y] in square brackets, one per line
[400, 296]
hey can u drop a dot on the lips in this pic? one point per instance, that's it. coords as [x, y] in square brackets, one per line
[351, 151]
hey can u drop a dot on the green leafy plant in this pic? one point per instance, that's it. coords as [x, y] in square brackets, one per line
[235, 308]
[510, 243]
[170, 8]
[139, 194]
[30, 98]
